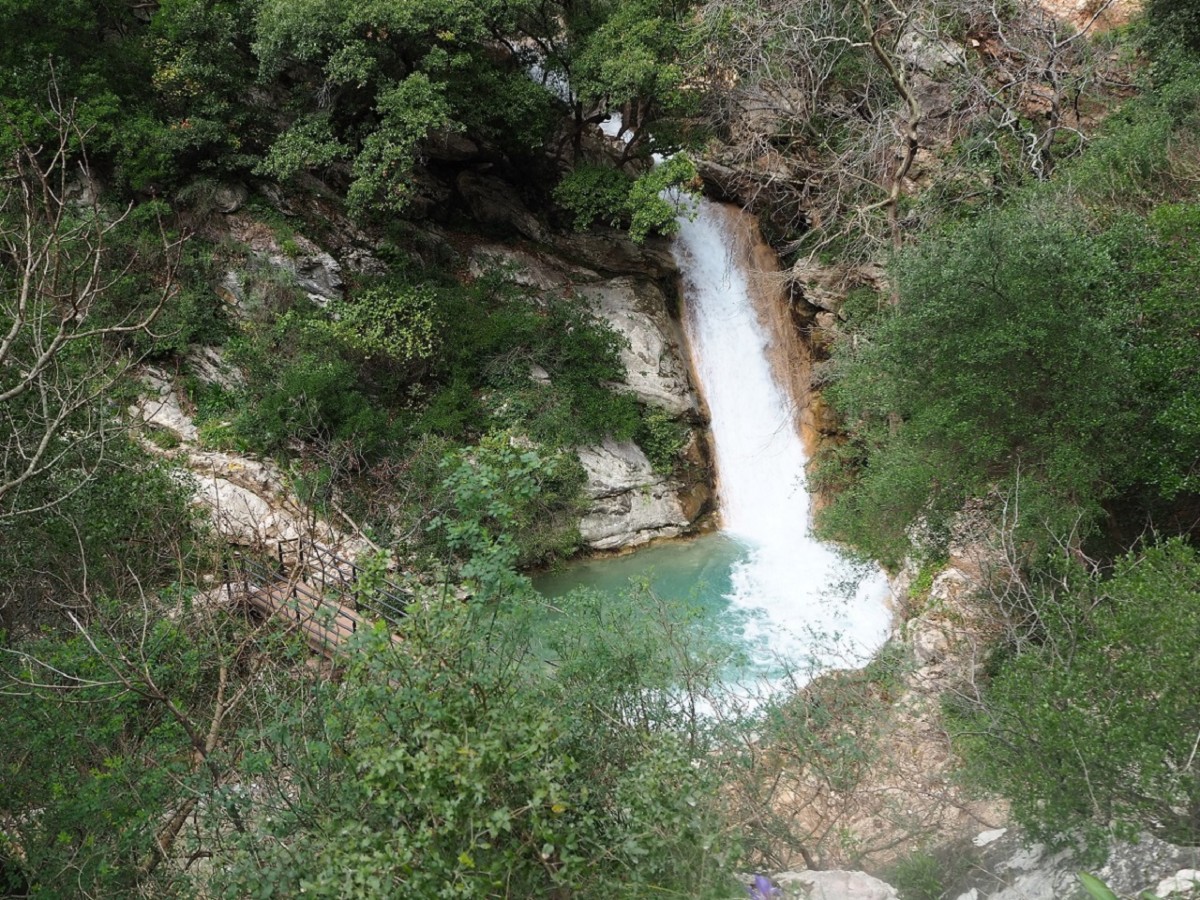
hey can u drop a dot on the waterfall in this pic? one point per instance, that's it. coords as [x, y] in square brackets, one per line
[801, 596]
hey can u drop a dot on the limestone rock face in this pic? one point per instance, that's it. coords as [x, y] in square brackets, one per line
[630, 503]
[527, 268]
[654, 369]
[247, 499]
[159, 407]
[318, 274]
[1009, 868]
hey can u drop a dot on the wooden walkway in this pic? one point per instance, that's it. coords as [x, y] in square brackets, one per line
[320, 597]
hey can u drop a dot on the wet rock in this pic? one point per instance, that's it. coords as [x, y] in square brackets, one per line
[629, 503]
[654, 369]
[496, 205]
[615, 253]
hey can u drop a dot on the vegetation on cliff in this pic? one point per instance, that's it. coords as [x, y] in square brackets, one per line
[1033, 349]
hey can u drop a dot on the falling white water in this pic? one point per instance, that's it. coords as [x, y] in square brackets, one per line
[799, 599]
[803, 599]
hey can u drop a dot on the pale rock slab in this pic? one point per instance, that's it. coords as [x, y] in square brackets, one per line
[159, 407]
[629, 503]
[837, 884]
[653, 360]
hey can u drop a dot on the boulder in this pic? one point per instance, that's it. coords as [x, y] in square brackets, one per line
[210, 366]
[526, 268]
[159, 407]
[229, 198]
[629, 503]
[837, 884]
[450, 146]
[928, 54]
[317, 273]
[653, 359]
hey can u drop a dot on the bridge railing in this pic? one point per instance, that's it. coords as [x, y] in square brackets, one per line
[322, 592]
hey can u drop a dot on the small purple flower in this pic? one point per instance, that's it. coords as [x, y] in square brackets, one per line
[762, 889]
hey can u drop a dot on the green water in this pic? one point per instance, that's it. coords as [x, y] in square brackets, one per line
[697, 571]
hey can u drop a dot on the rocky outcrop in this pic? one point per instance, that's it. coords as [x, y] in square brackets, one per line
[629, 504]
[247, 500]
[612, 252]
[835, 884]
[1005, 866]
[653, 354]
[496, 206]
[527, 267]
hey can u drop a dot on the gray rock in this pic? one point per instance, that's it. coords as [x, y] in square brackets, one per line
[527, 268]
[630, 504]
[318, 274]
[210, 366]
[159, 407]
[653, 360]
[232, 289]
[928, 54]
[229, 198]
[451, 146]
[1009, 869]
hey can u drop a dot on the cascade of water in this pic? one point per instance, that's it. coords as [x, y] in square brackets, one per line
[801, 594]
[799, 598]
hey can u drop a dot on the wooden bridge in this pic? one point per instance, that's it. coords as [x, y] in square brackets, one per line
[322, 596]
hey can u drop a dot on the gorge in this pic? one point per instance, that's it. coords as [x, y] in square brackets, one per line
[764, 577]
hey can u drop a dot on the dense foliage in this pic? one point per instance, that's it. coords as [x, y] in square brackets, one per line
[1038, 359]
[1101, 695]
[1033, 353]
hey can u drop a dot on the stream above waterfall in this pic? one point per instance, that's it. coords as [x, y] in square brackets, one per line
[764, 580]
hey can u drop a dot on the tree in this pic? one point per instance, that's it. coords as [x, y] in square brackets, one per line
[64, 347]
[834, 102]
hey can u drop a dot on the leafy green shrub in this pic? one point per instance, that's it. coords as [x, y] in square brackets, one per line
[459, 764]
[595, 193]
[653, 213]
[301, 387]
[394, 323]
[663, 438]
[1089, 721]
[501, 506]
[918, 876]
[599, 193]
[1003, 360]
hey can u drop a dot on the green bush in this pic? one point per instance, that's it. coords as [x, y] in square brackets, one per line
[601, 194]
[663, 438]
[1089, 721]
[595, 194]
[460, 765]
